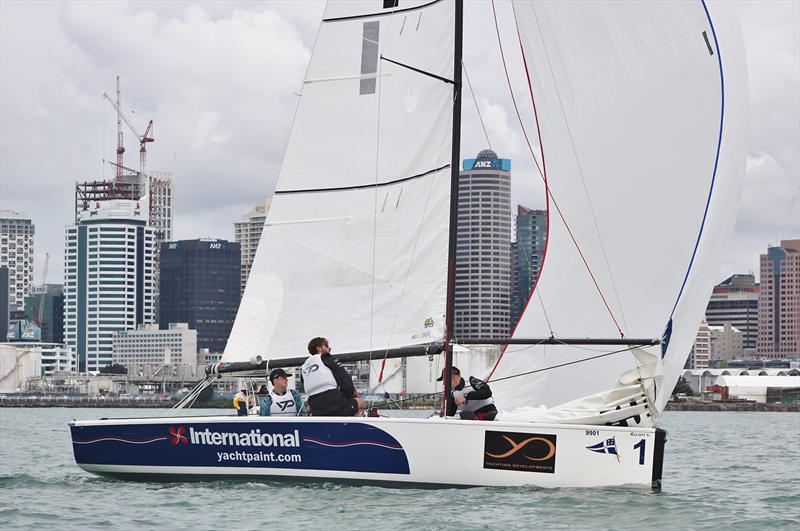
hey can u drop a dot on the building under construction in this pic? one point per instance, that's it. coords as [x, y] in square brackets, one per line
[155, 188]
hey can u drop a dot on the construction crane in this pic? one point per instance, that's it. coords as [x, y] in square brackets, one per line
[143, 139]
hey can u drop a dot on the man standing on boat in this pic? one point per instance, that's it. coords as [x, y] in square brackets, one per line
[242, 402]
[473, 401]
[281, 402]
[330, 388]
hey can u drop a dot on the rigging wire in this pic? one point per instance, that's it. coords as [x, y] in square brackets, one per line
[580, 171]
[477, 108]
[413, 253]
[542, 169]
[528, 373]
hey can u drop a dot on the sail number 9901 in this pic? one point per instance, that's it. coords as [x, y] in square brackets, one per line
[592, 432]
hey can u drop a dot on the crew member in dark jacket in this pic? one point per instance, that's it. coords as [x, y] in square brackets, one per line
[470, 402]
[330, 388]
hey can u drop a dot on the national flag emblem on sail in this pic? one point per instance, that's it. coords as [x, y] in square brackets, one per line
[609, 446]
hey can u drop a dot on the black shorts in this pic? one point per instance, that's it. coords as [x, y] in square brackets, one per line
[332, 404]
[349, 409]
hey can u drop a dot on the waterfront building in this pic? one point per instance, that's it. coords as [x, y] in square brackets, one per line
[200, 285]
[700, 355]
[16, 253]
[483, 248]
[527, 256]
[726, 342]
[54, 357]
[779, 302]
[109, 278]
[176, 344]
[247, 233]
[734, 301]
[45, 306]
[18, 365]
[4, 303]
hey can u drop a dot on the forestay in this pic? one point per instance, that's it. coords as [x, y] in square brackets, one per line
[355, 243]
[645, 155]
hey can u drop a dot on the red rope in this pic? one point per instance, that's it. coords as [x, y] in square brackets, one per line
[543, 173]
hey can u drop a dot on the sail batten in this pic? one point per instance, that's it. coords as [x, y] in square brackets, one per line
[354, 247]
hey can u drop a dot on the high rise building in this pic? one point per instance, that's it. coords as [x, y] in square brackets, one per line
[779, 302]
[200, 286]
[247, 234]
[700, 355]
[109, 278]
[734, 301]
[483, 248]
[4, 303]
[157, 194]
[45, 306]
[131, 186]
[16, 253]
[531, 232]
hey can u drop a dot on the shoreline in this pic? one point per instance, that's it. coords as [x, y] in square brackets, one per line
[166, 404]
[733, 406]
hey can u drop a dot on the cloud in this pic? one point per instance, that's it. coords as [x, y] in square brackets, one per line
[219, 78]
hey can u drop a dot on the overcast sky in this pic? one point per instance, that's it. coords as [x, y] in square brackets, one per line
[219, 81]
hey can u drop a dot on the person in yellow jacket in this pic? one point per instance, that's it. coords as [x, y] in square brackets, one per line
[242, 402]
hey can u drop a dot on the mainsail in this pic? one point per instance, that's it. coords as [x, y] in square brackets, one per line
[642, 108]
[355, 243]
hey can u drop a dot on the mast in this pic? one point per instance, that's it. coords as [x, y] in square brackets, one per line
[454, 174]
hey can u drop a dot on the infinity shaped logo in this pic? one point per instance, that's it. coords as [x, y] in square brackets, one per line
[516, 447]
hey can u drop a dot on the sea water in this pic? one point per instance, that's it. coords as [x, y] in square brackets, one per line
[722, 470]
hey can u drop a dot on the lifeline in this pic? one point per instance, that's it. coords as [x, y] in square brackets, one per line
[251, 438]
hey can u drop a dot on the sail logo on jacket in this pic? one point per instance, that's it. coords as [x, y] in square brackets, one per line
[529, 452]
[252, 438]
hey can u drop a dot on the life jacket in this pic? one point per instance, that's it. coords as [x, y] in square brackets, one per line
[472, 405]
[241, 397]
[317, 377]
[283, 405]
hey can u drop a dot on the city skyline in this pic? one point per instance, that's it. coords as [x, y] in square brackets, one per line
[232, 144]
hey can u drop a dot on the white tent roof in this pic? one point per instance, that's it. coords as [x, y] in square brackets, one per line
[758, 381]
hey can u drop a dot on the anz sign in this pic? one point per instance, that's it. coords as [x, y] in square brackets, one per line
[487, 164]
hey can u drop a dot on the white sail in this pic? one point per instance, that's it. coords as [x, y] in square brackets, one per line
[355, 244]
[645, 153]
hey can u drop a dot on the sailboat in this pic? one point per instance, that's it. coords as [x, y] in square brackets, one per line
[640, 116]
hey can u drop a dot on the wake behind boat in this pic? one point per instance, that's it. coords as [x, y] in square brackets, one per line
[641, 149]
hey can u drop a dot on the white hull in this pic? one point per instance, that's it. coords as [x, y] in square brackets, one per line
[420, 452]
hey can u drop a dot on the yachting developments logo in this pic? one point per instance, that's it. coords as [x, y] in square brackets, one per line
[529, 452]
[608, 446]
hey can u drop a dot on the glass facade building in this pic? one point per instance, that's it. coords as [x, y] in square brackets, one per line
[483, 248]
[779, 302]
[46, 308]
[531, 231]
[109, 281]
[200, 285]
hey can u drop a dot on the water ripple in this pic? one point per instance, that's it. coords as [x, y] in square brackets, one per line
[722, 470]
